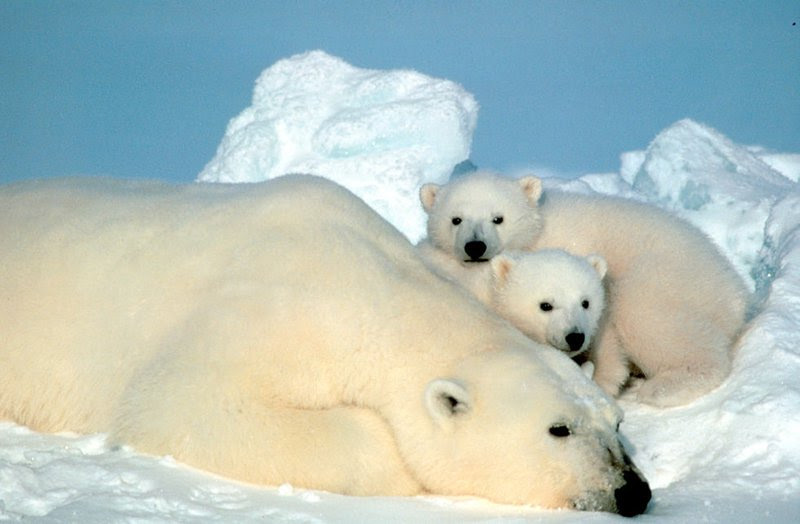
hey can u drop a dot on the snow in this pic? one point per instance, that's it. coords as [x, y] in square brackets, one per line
[786, 163]
[724, 189]
[379, 133]
[731, 456]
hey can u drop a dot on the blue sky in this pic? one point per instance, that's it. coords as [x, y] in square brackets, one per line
[145, 89]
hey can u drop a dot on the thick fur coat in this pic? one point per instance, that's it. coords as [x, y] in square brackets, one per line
[675, 304]
[284, 332]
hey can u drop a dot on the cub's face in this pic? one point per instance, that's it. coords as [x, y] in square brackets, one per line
[552, 296]
[512, 430]
[479, 216]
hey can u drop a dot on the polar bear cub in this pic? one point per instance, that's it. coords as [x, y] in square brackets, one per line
[675, 304]
[550, 295]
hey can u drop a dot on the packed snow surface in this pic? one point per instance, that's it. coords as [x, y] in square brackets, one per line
[731, 456]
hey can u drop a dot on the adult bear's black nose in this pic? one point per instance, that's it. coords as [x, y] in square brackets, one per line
[633, 496]
[575, 341]
[475, 249]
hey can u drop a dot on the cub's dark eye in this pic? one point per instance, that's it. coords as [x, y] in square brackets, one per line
[456, 221]
[546, 306]
[585, 304]
[497, 220]
[560, 430]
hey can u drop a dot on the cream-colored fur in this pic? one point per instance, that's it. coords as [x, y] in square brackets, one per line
[552, 296]
[284, 332]
[475, 278]
[675, 304]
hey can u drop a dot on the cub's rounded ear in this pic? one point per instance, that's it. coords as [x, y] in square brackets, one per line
[599, 264]
[531, 187]
[427, 195]
[447, 400]
[501, 267]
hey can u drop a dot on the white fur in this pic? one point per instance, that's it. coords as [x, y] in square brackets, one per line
[552, 296]
[675, 305]
[494, 213]
[284, 332]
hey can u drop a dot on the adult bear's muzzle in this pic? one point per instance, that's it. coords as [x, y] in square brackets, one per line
[634, 494]
[630, 497]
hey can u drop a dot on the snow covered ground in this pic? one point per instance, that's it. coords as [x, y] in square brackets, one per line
[731, 456]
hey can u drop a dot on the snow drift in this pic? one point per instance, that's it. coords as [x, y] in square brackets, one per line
[731, 456]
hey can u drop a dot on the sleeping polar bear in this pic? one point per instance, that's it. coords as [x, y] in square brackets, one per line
[284, 332]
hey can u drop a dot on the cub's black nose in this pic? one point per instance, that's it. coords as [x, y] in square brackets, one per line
[475, 249]
[633, 496]
[575, 341]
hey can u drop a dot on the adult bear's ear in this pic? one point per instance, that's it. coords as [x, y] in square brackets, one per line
[599, 264]
[501, 267]
[446, 400]
[427, 195]
[532, 187]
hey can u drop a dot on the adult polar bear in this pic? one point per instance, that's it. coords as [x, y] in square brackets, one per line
[675, 304]
[284, 332]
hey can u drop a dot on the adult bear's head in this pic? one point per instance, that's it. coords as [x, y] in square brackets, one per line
[525, 426]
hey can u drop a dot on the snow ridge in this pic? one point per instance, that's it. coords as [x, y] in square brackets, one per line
[379, 133]
[724, 188]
